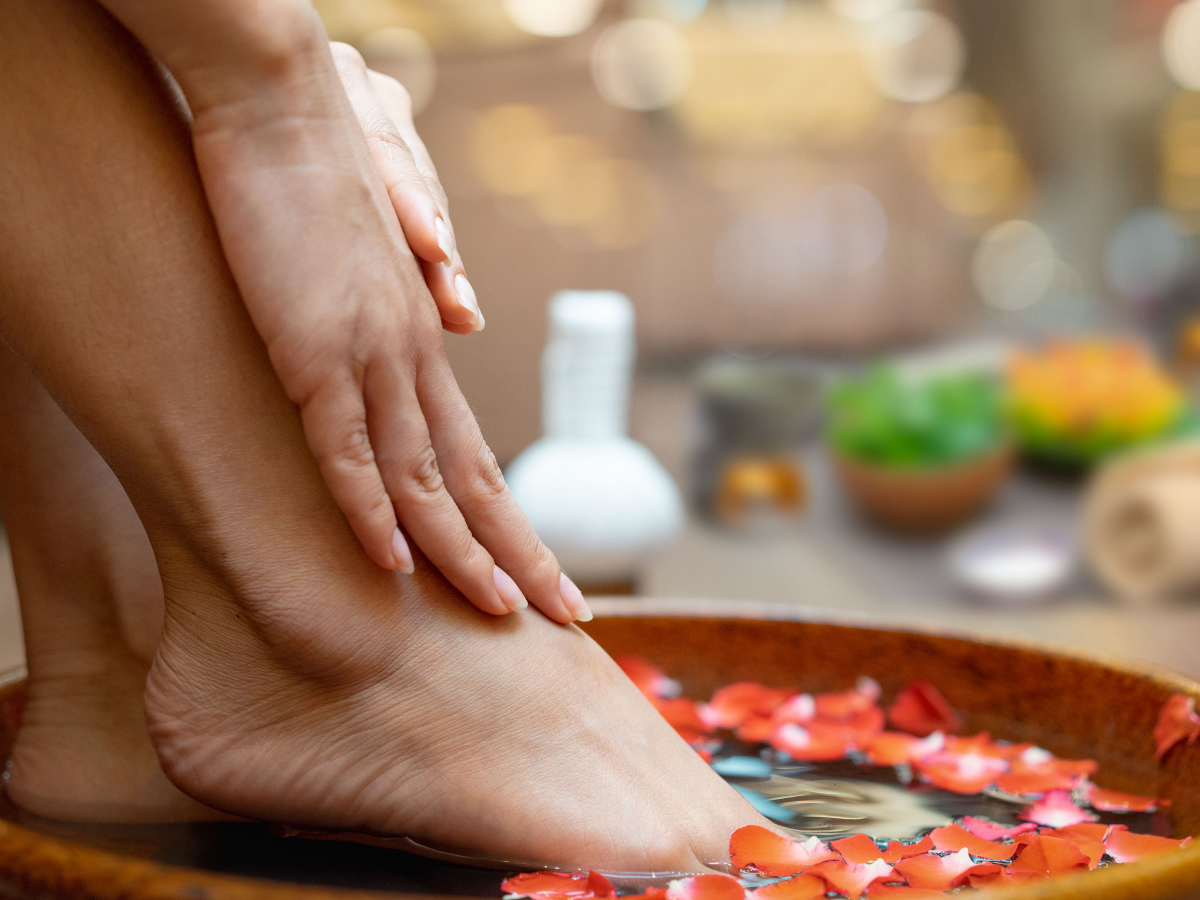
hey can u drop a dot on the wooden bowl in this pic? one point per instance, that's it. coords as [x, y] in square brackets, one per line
[924, 501]
[1072, 705]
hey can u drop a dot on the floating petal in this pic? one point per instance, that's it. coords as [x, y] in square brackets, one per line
[893, 748]
[1115, 801]
[1056, 810]
[1177, 721]
[733, 704]
[802, 887]
[1084, 831]
[935, 873]
[558, 886]
[799, 709]
[706, 887]
[858, 848]
[1126, 846]
[844, 704]
[1049, 856]
[768, 853]
[992, 831]
[993, 875]
[967, 772]
[808, 744]
[649, 678]
[850, 880]
[920, 709]
[952, 838]
[756, 730]
[897, 851]
[1024, 783]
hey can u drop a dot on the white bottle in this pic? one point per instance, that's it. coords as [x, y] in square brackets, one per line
[599, 500]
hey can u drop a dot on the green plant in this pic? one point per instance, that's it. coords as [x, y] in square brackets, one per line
[884, 419]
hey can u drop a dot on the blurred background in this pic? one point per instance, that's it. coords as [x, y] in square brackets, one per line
[911, 279]
[913, 287]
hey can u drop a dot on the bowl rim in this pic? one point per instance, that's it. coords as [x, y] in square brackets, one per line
[34, 865]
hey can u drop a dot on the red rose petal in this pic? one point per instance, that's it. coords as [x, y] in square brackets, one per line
[893, 748]
[1127, 846]
[649, 678]
[1049, 856]
[706, 887]
[1033, 782]
[858, 848]
[558, 886]
[965, 772]
[935, 873]
[733, 704]
[844, 704]
[1056, 810]
[799, 709]
[808, 744]
[921, 710]
[991, 831]
[901, 892]
[1084, 831]
[768, 853]
[681, 713]
[1116, 801]
[755, 730]
[951, 838]
[991, 874]
[1177, 721]
[651, 893]
[897, 851]
[850, 880]
[802, 887]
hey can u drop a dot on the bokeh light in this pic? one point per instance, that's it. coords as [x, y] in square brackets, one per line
[868, 10]
[800, 252]
[1179, 176]
[964, 149]
[916, 55]
[678, 11]
[405, 55]
[755, 13]
[512, 150]
[552, 18]
[1014, 265]
[1181, 43]
[641, 64]
[801, 83]
[1145, 256]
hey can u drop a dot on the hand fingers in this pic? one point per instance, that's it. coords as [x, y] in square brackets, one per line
[335, 425]
[475, 482]
[424, 507]
[452, 292]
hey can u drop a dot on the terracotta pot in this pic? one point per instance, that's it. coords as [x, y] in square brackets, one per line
[1071, 705]
[924, 500]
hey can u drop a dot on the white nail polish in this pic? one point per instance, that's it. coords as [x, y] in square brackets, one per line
[445, 240]
[466, 298]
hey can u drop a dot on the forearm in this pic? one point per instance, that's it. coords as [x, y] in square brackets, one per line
[227, 52]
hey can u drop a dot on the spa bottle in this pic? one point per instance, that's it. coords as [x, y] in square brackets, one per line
[600, 501]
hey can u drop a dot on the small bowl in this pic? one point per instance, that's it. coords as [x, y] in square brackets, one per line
[1014, 562]
[924, 501]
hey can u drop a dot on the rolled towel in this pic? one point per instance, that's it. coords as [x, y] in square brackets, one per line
[1142, 523]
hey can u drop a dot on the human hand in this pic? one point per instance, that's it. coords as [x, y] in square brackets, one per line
[315, 245]
[384, 111]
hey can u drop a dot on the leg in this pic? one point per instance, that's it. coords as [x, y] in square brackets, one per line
[294, 680]
[92, 607]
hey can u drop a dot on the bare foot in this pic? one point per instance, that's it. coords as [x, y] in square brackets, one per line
[92, 608]
[415, 715]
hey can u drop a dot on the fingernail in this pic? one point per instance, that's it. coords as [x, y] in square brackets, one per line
[508, 590]
[466, 297]
[445, 240]
[401, 553]
[573, 597]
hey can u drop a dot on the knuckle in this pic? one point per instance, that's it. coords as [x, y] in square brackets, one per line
[347, 56]
[425, 474]
[489, 479]
[353, 450]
